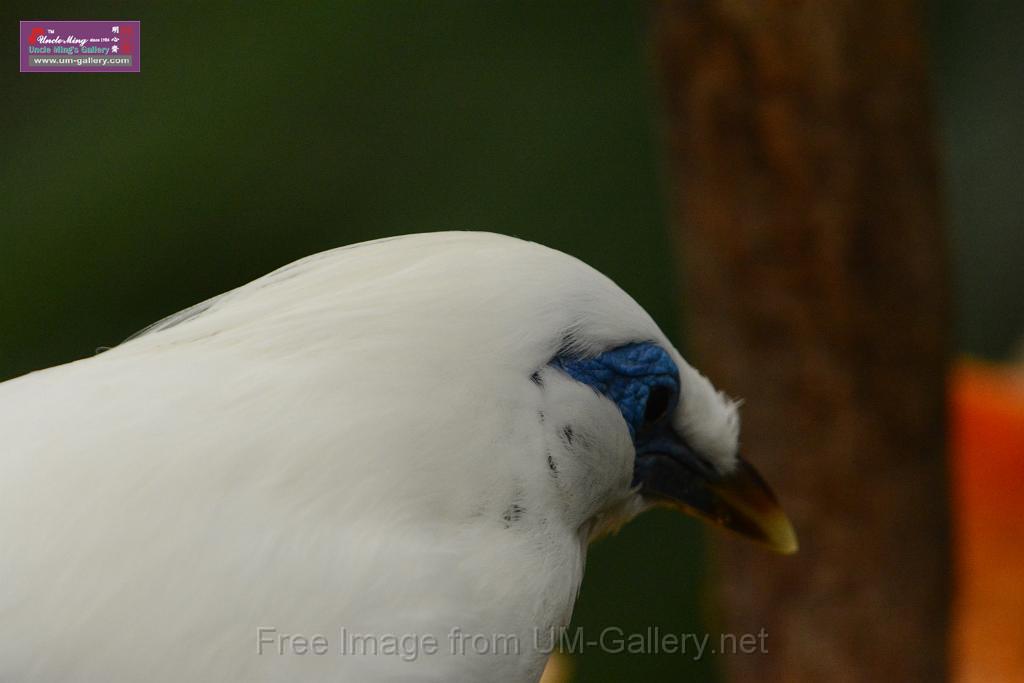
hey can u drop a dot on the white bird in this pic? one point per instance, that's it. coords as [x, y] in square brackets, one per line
[414, 438]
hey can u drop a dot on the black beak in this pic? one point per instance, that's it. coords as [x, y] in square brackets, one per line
[670, 473]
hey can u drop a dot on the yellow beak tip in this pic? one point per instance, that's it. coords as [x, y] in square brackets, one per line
[781, 537]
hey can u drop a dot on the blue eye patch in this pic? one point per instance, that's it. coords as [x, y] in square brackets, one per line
[626, 375]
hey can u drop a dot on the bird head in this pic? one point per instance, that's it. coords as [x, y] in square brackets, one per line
[633, 425]
[684, 440]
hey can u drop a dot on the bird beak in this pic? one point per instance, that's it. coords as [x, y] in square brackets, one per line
[739, 500]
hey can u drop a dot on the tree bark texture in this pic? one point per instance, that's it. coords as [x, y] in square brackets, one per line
[806, 195]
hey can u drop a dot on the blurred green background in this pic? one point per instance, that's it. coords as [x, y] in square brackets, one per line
[262, 132]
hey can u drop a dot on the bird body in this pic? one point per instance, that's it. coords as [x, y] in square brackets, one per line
[370, 441]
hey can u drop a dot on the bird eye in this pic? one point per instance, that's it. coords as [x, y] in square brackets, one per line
[658, 403]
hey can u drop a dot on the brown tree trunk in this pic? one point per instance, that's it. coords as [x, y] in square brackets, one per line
[806, 195]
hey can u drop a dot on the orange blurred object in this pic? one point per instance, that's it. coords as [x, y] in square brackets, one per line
[987, 412]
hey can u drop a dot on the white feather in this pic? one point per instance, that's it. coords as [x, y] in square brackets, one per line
[352, 441]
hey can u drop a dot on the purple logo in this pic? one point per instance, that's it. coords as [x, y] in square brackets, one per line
[80, 46]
